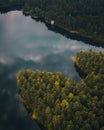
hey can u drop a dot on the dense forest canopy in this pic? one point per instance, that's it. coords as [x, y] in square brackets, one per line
[7, 3]
[90, 61]
[83, 17]
[59, 103]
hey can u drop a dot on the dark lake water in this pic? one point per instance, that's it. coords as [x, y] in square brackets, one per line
[26, 43]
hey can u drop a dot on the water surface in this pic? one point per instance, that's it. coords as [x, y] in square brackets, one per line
[26, 43]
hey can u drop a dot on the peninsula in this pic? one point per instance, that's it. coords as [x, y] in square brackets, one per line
[58, 102]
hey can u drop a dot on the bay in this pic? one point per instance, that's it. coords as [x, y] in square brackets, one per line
[28, 44]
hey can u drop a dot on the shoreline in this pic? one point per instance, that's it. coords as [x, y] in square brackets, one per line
[78, 69]
[74, 59]
[73, 34]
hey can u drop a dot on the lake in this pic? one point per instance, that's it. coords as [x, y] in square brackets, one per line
[28, 44]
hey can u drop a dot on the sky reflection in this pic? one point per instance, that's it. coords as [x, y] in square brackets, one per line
[28, 44]
[30, 40]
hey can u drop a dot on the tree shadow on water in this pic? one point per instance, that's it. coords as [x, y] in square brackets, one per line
[41, 126]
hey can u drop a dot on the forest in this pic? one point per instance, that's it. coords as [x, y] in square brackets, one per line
[90, 61]
[81, 17]
[60, 103]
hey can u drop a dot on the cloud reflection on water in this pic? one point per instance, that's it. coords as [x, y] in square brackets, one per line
[31, 41]
[26, 43]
